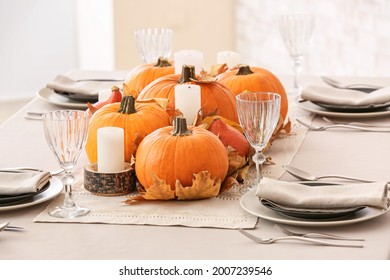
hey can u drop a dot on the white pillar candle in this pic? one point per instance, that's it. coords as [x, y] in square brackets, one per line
[228, 57]
[188, 101]
[188, 57]
[111, 154]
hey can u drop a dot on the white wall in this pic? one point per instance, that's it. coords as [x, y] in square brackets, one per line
[38, 41]
[351, 37]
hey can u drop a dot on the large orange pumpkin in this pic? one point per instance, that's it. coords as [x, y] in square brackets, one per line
[247, 78]
[136, 119]
[215, 97]
[178, 153]
[142, 75]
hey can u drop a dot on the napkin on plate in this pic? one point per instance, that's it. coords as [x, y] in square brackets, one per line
[298, 196]
[87, 83]
[22, 182]
[335, 96]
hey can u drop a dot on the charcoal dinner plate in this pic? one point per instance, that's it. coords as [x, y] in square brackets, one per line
[302, 214]
[14, 199]
[353, 109]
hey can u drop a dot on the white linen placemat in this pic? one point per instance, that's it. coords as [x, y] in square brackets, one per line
[220, 212]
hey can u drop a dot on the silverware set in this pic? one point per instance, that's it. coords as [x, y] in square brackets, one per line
[316, 238]
[34, 116]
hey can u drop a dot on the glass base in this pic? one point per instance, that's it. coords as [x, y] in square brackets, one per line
[71, 212]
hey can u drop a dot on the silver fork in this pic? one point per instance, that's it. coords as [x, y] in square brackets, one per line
[21, 169]
[321, 128]
[355, 123]
[315, 234]
[297, 238]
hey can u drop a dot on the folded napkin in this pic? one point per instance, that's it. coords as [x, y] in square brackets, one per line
[87, 83]
[21, 182]
[298, 196]
[335, 96]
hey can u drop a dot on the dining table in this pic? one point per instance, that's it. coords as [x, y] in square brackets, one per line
[110, 237]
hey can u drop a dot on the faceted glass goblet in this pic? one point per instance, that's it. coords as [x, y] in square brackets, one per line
[153, 43]
[65, 133]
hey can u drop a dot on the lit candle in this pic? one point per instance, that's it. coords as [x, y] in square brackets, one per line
[111, 154]
[188, 101]
[188, 57]
[228, 57]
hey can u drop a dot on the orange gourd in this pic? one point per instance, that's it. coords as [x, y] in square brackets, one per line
[142, 75]
[247, 78]
[137, 120]
[178, 153]
[216, 99]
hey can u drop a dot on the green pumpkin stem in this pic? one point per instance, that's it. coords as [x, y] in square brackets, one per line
[187, 74]
[244, 70]
[180, 127]
[127, 105]
[162, 62]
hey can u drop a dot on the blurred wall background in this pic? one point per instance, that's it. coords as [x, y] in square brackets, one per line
[43, 38]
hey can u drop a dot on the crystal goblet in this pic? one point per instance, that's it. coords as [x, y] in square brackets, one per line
[153, 43]
[258, 114]
[296, 31]
[65, 133]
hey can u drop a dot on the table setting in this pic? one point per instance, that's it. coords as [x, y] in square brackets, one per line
[173, 159]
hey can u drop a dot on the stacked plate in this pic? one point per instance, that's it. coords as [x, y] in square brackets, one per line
[347, 100]
[49, 191]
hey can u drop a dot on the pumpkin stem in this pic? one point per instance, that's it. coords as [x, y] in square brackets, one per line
[244, 70]
[127, 105]
[162, 62]
[187, 74]
[180, 127]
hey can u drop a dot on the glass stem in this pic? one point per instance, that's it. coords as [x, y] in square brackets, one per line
[297, 72]
[258, 159]
[67, 180]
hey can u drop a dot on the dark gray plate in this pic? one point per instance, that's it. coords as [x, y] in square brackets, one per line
[352, 109]
[6, 200]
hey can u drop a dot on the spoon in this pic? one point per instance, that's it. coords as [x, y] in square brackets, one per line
[305, 176]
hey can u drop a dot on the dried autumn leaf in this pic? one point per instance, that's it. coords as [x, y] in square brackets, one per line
[203, 186]
[228, 183]
[160, 190]
[217, 69]
[209, 120]
[162, 102]
[236, 161]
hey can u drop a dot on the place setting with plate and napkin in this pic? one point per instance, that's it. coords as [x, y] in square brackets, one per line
[317, 203]
[351, 97]
[19, 187]
[77, 87]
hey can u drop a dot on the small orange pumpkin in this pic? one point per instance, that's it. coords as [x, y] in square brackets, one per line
[215, 97]
[177, 153]
[142, 75]
[247, 78]
[136, 119]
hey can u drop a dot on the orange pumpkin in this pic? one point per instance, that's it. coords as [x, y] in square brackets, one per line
[247, 78]
[144, 74]
[215, 97]
[137, 120]
[180, 153]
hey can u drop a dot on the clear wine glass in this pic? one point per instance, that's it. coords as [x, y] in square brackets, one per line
[258, 113]
[66, 132]
[296, 31]
[153, 43]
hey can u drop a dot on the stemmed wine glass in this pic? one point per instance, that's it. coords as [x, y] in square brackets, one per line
[296, 31]
[66, 132]
[258, 113]
[153, 43]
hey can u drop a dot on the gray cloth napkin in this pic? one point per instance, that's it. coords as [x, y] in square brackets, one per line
[335, 96]
[87, 83]
[21, 182]
[298, 196]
